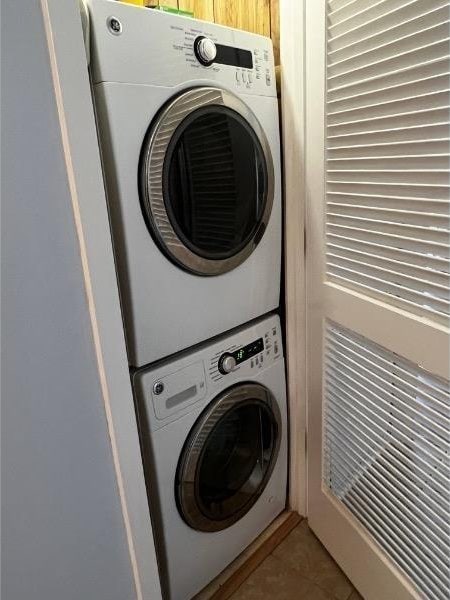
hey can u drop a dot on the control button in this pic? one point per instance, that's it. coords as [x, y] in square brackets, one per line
[274, 331]
[250, 78]
[158, 388]
[267, 79]
[238, 77]
[257, 360]
[227, 363]
[205, 50]
[252, 364]
[275, 347]
[261, 358]
[244, 76]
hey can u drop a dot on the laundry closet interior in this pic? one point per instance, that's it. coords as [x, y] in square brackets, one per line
[259, 206]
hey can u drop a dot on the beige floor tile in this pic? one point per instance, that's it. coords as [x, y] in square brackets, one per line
[275, 580]
[302, 551]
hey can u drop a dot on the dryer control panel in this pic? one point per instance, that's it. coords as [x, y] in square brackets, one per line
[131, 44]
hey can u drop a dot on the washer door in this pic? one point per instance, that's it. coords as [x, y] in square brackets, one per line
[206, 181]
[228, 457]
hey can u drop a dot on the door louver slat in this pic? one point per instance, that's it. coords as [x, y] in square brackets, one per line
[386, 453]
[373, 23]
[387, 151]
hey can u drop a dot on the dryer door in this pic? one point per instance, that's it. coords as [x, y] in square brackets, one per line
[206, 181]
[228, 457]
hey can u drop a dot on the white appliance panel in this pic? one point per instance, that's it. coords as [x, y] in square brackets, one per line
[167, 308]
[190, 559]
[155, 291]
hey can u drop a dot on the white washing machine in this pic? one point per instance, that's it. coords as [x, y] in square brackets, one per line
[188, 121]
[214, 440]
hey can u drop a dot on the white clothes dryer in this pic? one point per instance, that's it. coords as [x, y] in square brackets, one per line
[188, 122]
[213, 428]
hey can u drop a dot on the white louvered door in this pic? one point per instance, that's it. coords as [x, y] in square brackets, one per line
[377, 212]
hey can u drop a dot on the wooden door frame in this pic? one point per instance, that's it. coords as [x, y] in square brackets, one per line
[292, 41]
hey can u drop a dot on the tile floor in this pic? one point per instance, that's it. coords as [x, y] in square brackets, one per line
[298, 569]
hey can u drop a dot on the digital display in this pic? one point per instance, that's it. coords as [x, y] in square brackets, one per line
[248, 351]
[235, 57]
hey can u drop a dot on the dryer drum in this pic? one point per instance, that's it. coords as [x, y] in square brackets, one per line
[228, 457]
[206, 181]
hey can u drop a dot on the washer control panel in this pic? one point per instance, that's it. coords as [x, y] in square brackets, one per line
[229, 360]
[176, 387]
[246, 358]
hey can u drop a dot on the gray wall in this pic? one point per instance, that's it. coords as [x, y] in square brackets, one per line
[63, 535]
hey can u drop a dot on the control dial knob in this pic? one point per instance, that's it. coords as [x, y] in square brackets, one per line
[205, 50]
[227, 363]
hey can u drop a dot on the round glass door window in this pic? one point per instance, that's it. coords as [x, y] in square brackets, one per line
[228, 458]
[207, 181]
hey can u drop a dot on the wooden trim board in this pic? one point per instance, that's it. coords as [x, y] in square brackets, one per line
[225, 584]
[293, 135]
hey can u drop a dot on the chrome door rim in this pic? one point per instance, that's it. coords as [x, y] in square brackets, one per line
[151, 178]
[192, 451]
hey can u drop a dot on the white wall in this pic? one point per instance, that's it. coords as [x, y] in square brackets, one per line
[75, 522]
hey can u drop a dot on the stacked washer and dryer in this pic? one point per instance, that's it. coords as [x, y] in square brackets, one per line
[187, 115]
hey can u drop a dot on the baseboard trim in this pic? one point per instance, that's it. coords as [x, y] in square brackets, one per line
[225, 584]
